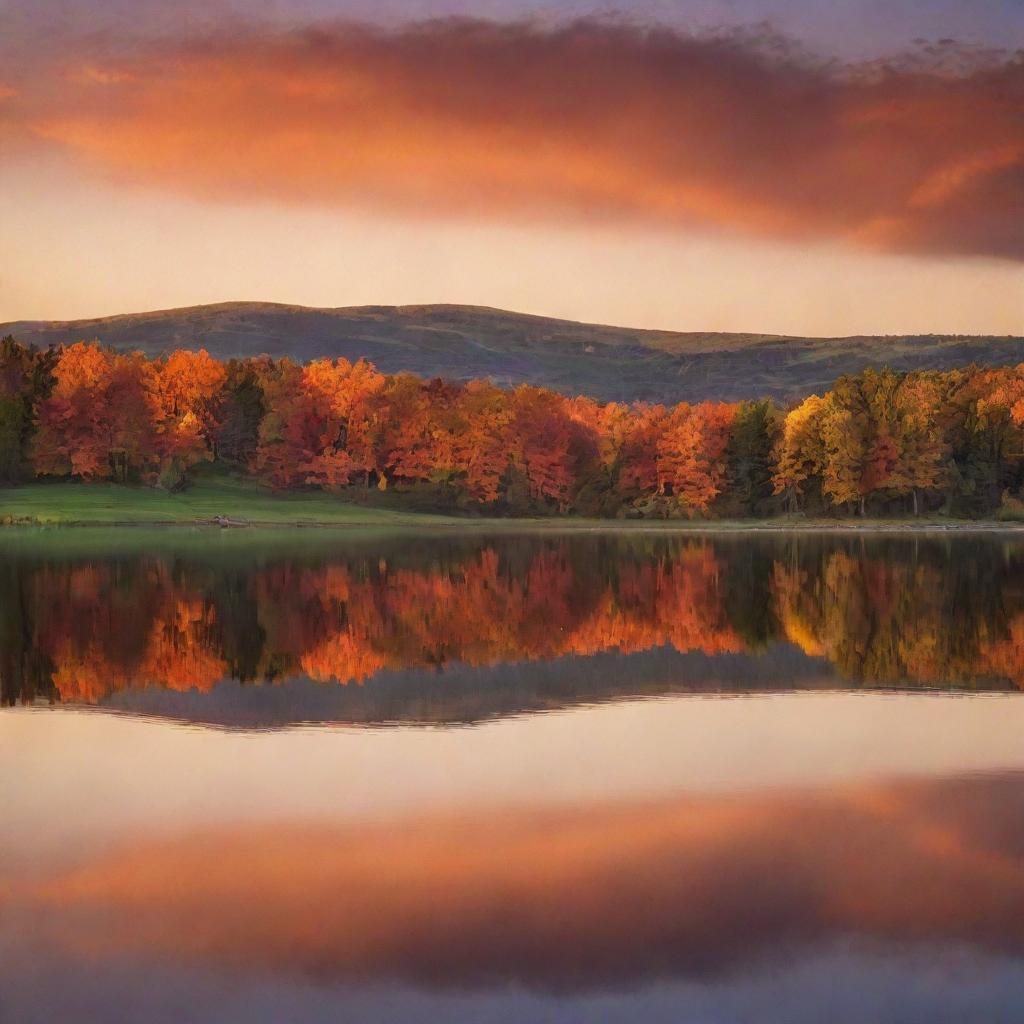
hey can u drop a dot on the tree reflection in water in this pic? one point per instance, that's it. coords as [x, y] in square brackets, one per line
[874, 612]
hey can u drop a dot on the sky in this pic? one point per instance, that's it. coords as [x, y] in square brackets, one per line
[748, 165]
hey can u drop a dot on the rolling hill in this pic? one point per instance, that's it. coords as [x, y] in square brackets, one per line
[468, 341]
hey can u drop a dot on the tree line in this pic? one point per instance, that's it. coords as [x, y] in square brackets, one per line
[878, 442]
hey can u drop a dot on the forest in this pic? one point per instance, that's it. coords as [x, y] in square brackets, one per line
[877, 443]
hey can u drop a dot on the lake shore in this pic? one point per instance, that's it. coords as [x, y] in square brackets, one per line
[235, 504]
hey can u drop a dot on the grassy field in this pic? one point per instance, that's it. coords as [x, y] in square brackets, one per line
[113, 504]
[245, 503]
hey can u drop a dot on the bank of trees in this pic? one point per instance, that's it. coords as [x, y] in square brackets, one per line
[879, 442]
[888, 441]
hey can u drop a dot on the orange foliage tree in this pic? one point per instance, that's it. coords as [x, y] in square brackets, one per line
[691, 463]
[98, 422]
[481, 439]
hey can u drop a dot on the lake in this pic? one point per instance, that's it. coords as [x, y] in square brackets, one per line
[452, 776]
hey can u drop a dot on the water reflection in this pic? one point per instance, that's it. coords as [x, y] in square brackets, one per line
[612, 897]
[786, 858]
[690, 613]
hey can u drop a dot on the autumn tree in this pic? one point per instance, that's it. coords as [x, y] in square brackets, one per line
[187, 391]
[847, 434]
[638, 451]
[411, 441]
[191, 384]
[317, 428]
[599, 493]
[481, 440]
[290, 434]
[998, 422]
[691, 462]
[336, 407]
[1005, 388]
[288, 437]
[919, 426]
[799, 450]
[98, 422]
[549, 447]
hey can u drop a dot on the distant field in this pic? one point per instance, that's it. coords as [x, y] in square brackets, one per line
[70, 503]
[461, 342]
[212, 495]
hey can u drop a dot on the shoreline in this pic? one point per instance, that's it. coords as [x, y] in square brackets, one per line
[433, 521]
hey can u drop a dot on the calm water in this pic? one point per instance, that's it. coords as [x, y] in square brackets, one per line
[369, 777]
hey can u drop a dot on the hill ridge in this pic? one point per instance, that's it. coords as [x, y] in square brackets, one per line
[575, 357]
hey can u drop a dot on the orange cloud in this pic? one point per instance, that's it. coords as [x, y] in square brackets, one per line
[586, 121]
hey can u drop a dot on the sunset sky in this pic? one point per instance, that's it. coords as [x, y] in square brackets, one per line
[758, 165]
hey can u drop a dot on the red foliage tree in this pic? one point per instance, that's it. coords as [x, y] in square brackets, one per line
[98, 422]
[549, 445]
